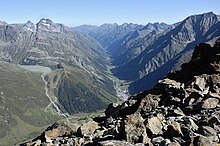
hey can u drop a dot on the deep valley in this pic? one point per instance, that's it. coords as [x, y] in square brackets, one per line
[51, 72]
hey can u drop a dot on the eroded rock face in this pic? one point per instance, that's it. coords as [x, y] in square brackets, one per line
[182, 109]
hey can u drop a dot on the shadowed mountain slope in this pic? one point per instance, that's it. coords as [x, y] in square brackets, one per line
[165, 51]
[182, 109]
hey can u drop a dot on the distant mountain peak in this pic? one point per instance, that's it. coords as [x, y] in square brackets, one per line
[155, 26]
[200, 22]
[204, 15]
[49, 26]
[3, 23]
[45, 21]
[30, 26]
[126, 24]
[209, 13]
[29, 21]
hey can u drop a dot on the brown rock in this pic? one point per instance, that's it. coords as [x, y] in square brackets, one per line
[88, 128]
[135, 130]
[38, 142]
[148, 104]
[214, 95]
[154, 125]
[199, 83]
[178, 112]
[56, 130]
[173, 144]
[114, 143]
[210, 103]
[201, 141]
[170, 83]
[78, 141]
[158, 140]
[173, 130]
[209, 132]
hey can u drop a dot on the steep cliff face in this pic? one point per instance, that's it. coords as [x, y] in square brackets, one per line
[181, 109]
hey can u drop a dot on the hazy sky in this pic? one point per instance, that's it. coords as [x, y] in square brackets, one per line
[77, 12]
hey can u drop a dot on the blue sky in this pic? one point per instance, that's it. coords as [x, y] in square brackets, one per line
[77, 12]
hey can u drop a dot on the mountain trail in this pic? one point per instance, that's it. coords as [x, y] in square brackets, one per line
[59, 111]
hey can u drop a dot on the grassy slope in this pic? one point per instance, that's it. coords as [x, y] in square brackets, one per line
[82, 92]
[22, 104]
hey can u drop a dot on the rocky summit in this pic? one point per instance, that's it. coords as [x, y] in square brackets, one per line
[181, 110]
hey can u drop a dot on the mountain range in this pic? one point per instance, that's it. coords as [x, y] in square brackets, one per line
[79, 80]
[107, 34]
[91, 66]
[181, 110]
[49, 44]
[149, 53]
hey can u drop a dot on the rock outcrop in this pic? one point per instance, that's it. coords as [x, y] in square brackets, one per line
[181, 110]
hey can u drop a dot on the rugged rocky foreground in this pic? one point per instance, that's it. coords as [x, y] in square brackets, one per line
[182, 109]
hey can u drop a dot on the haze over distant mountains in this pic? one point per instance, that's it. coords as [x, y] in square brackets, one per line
[107, 34]
[145, 55]
[90, 65]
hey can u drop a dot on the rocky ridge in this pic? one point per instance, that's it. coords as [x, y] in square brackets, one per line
[182, 109]
[50, 44]
[157, 53]
[107, 34]
[149, 52]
